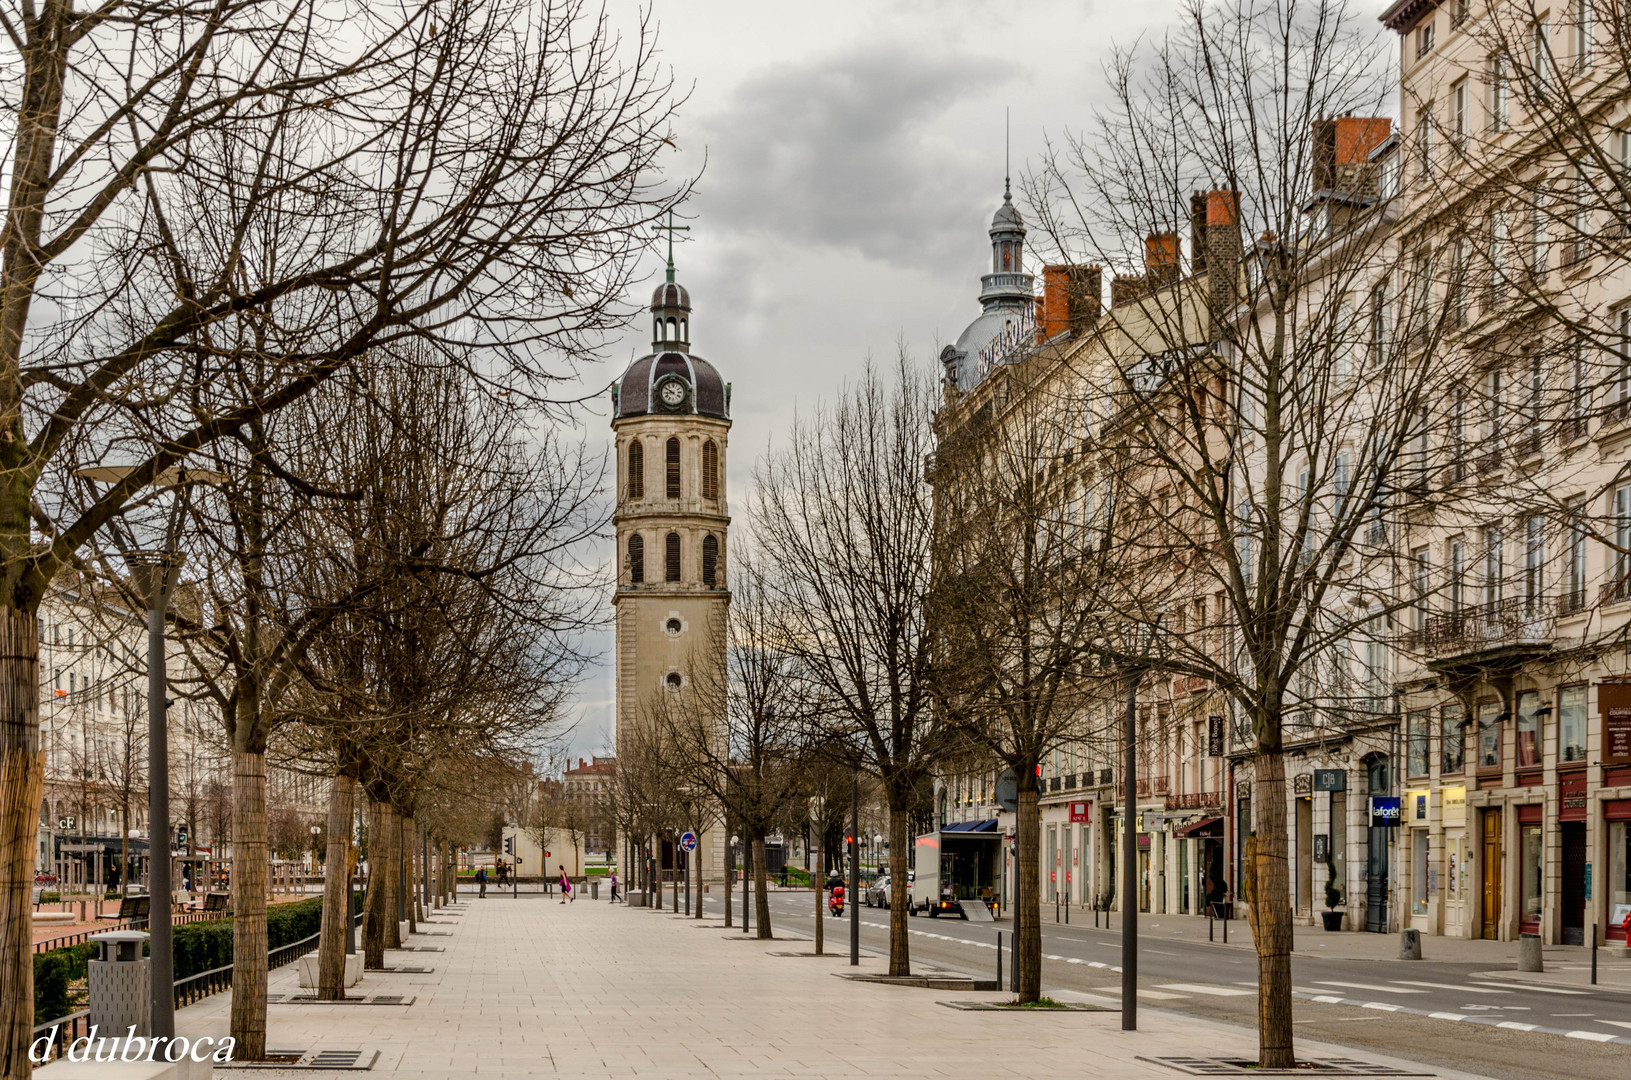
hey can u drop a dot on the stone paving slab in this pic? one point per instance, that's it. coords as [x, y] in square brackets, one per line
[529, 990]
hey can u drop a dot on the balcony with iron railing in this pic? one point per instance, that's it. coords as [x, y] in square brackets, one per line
[1516, 622]
[1152, 785]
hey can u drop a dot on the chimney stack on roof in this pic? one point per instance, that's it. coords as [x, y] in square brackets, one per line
[1160, 259]
[1342, 147]
[1070, 300]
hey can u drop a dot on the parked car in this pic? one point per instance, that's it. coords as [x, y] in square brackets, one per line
[877, 894]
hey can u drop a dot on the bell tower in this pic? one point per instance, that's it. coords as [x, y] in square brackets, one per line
[671, 423]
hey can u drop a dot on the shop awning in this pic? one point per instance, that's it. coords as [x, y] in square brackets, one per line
[1209, 826]
[989, 825]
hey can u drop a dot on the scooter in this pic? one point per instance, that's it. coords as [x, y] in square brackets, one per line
[835, 905]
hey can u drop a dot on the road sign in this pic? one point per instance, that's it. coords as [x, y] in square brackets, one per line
[688, 841]
[1008, 790]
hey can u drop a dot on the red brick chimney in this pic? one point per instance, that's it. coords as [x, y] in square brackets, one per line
[1070, 300]
[1160, 259]
[1223, 250]
[1342, 147]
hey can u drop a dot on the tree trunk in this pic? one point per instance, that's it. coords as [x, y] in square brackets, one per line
[761, 893]
[249, 904]
[336, 890]
[405, 873]
[1027, 896]
[900, 893]
[22, 774]
[1271, 913]
[374, 911]
[390, 874]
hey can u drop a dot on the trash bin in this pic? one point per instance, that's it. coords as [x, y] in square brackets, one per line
[1529, 953]
[120, 991]
[1409, 944]
[594, 889]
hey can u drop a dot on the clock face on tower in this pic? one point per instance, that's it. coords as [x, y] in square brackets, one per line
[672, 394]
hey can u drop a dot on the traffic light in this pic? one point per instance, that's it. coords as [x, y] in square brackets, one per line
[509, 845]
[181, 836]
[546, 855]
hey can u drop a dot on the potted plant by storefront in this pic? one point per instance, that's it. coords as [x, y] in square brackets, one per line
[1333, 895]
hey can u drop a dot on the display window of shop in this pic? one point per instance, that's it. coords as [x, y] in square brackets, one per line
[1419, 859]
[1571, 724]
[1489, 735]
[1529, 729]
[1531, 873]
[1452, 740]
[1417, 742]
[1619, 866]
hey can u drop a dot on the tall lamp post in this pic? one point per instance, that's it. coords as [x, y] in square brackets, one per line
[1129, 835]
[854, 869]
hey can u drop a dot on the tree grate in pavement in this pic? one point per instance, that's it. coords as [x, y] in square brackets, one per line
[997, 1006]
[1219, 1066]
[406, 970]
[367, 999]
[348, 1058]
[414, 948]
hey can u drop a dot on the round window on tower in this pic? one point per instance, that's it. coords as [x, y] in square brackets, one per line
[673, 627]
[674, 680]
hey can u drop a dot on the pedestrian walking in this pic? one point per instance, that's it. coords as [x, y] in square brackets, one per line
[566, 887]
[614, 886]
[481, 879]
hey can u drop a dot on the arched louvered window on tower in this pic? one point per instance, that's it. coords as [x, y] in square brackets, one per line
[710, 470]
[673, 454]
[637, 470]
[671, 556]
[637, 559]
[710, 560]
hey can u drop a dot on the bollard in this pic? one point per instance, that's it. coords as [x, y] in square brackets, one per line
[594, 888]
[1529, 958]
[120, 995]
[1409, 944]
[999, 959]
[1594, 956]
[1209, 925]
[1067, 912]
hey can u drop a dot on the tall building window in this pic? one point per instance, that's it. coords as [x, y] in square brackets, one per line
[1458, 574]
[1489, 735]
[1494, 569]
[1452, 741]
[1571, 724]
[671, 557]
[637, 469]
[1534, 563]
[1417, 742]
[1458, 106]
[1541, 52]
[710, 560]
[1621, 361]
[1621, 585]
[710, 470]
[1575, 599]
[1378, 326]
[1424, 127]
[1584, 33]
[637, 559]
[1423, 572]
[673, 455]
[1494, 403]
[1528, 729]
[1500, 92]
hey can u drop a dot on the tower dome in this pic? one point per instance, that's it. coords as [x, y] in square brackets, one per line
[1007, 299]
[671, 378]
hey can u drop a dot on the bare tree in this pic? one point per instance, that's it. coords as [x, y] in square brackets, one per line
[843, 520]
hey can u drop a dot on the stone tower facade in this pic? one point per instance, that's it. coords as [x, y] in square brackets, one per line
[671, 421]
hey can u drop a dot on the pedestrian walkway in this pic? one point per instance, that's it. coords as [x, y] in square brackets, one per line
[529, 988]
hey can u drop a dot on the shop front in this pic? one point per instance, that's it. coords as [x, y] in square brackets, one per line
[1617, 819]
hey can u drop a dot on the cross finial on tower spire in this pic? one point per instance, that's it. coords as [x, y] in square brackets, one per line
[1007, 143]
[671, 229]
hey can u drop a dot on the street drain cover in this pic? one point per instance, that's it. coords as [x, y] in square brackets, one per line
[321, 1058]
[1218, 1066]
[997, 1006]
[368, 999]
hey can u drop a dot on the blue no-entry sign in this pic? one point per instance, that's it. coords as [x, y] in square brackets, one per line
[688, 841]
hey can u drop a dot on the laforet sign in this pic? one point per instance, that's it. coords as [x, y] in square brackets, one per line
[1614, 703]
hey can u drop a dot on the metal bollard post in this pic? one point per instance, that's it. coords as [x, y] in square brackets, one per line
[1209, 924]
[1056, 909]
[999, 959]
[1067, 912]
[1226, 929]
[1594, 956]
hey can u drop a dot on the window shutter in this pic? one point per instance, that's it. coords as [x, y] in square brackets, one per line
[637, 470]
[637, 559]
[710, 558]
[710, 470]
[672, 557]
[673, 468]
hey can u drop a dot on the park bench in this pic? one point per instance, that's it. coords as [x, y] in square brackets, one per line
[218, 901]
[131, 909]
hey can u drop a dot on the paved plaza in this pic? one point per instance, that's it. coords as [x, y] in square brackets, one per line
[530, 987]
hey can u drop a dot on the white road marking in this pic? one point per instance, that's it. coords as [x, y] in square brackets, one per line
[1382, 1006]
[1541, 989]
[1143, 994]
[1329, 999]
[1616, 1023]
[1594, 1036]
[1367, 986]
[1201, 988]
[1447, 1016]
[1515, 1026]
[1448, 986]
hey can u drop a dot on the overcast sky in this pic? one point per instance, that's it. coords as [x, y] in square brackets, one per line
[851, 158]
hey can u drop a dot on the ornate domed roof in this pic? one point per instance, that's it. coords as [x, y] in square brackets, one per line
[637, 393]
[1007, 218]
[671, 295]
[1006, 321]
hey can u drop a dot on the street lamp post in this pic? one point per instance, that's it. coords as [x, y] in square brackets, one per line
[1129, 885]
[854, 869]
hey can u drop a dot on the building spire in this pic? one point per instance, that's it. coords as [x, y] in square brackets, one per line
[1007, 144]
[671, 229]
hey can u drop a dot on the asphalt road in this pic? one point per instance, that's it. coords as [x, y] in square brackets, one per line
[1451, 1015]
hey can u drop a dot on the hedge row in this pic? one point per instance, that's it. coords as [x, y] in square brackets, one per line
[198, 947]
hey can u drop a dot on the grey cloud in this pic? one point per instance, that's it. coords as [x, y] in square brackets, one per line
[854, 151]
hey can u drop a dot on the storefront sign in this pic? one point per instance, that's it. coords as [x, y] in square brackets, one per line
[1384, 811]
[1214, 736]
[1416, 801]
[1330, 779]
[1081, 811]
[1614, 704]
[1571, 792]
[1453, 806]
[1322, 847]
